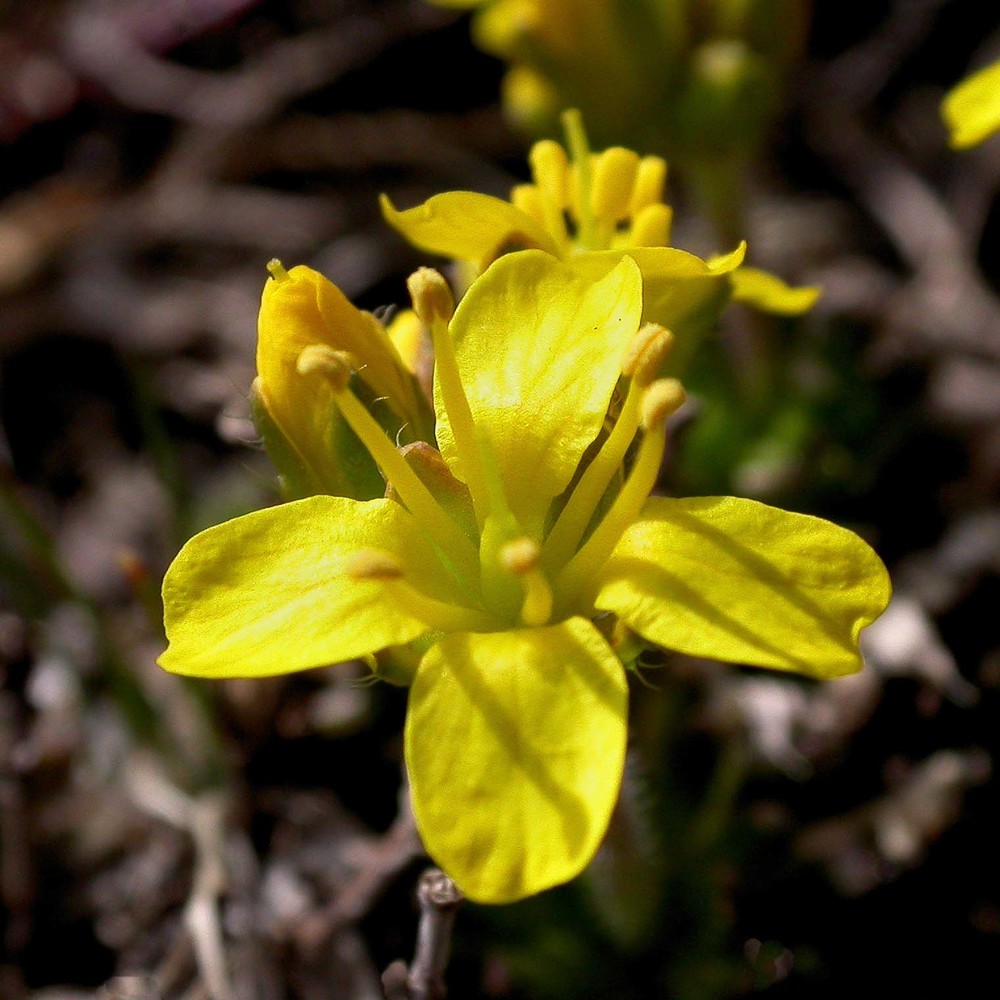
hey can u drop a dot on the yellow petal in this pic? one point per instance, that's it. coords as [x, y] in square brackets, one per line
[270, 593]
[680, 290]
[539, 345]
[767, 292]
[971, 110]
[737, 580]
[515, 743]
[466, 225]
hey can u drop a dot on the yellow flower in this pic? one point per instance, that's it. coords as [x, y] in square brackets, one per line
[971, 110]
[596, 209]
[508, 562]
[699, 81]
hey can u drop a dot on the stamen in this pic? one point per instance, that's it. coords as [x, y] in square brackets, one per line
[374, 564]
[432, 301]
[661, 399]
[647, 352]
[643, 359]
[432, 298]
[578, 512]
[520, 557]
[276, 270]
[380, 565]
[321, 359]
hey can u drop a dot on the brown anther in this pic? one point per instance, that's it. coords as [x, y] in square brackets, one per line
[432, 298]
[647, 352]
[662, 398]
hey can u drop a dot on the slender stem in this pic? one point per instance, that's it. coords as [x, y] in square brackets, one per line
[439, 900]
[720, 798]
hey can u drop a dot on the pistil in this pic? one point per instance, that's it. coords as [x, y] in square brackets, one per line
[277, 270]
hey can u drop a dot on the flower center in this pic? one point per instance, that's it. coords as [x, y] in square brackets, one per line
[506, 576]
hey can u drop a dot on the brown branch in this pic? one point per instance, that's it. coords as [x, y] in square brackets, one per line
[393, 852]
[439, 900]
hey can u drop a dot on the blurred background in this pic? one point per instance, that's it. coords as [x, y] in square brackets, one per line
[160, 838]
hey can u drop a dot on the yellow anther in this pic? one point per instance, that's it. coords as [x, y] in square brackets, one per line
[520, 556]
[651, 226]
[277, 270]
[322, 359]
[549, 168]
[432, 298]
[646, 353]
[529, 200]
[374, 564]
[650, 180]
[614, 179]
[662, 398]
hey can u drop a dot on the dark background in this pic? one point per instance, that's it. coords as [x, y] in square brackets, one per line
[154, 157]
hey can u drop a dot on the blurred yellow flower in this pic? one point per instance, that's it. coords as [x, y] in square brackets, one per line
[701, 82]
[506, 560]
[971, 109]
[594, 209]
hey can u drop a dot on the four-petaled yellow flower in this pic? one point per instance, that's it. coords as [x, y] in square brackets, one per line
[595, 210]
[508, 565]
